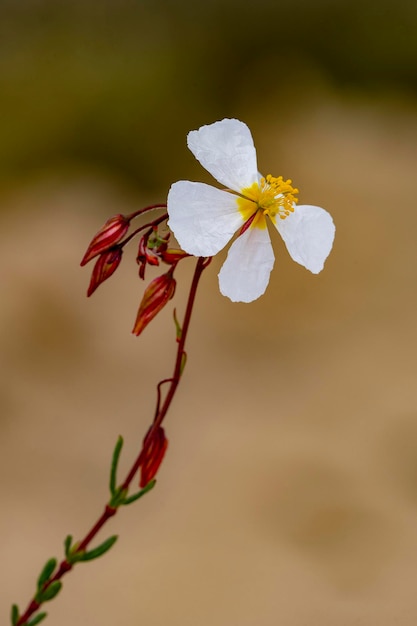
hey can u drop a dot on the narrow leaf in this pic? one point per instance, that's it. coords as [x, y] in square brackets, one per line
[151, 484]
[49, 593]
[67, 545]
[118, 497]
[37, 619]
[45, 574]
[114, 463]
[99, 551]
[178, 329]
[183, 362]
[14, 616]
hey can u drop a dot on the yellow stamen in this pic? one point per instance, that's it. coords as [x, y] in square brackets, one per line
[275, 197]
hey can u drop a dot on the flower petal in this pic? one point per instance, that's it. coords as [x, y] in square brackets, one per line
[226, 150]
[245, 273]
[308, 234]
[202, 218]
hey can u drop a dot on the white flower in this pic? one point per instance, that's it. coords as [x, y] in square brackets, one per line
[204, 218]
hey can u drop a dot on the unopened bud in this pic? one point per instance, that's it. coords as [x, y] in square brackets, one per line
[111, 233]
[154, 448]
[156, 296]
[172, 256]
[105, 266]
[145, 256]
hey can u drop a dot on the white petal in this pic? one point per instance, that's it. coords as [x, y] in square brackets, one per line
[226, 150]
[308, 234]
[202, 218]
[245, 273]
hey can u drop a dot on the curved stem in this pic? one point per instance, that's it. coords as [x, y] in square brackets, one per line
[151, 207]
[202, 263]
[160, 414]
[149, 225]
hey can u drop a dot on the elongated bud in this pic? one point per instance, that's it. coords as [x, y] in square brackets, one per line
[156, 296]
[172, 256]
[154, 449]
[145, 256]
[105, 266]
[111, 233]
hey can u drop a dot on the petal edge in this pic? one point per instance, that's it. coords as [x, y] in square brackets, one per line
[226, 150]
[308, 234]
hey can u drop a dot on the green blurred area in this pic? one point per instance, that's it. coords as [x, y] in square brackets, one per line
[115, 85]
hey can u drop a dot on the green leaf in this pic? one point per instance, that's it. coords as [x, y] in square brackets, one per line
[114, 463]
[37, 619]
[49, 593]
[178, 329]
[117, 498]
[151, 484]
[14, 616]
[183, 362]
[99, 551]
[67, 545]
[45, 574]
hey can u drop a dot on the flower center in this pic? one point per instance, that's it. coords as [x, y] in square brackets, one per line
[277, 196]
[274, 197]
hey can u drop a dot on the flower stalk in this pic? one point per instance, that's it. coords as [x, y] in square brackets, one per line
[155, 443]
[204, 219]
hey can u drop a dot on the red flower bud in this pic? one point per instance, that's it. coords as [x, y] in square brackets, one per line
[105, 266]
[110, 234]
[156, 296]
[145, 256]
[141, 257]
[172, 256]
[154, 449]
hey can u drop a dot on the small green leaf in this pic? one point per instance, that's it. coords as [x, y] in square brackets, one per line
[114, 463]
[14, 616]
[49, 593]
[45, 574]
[67, 545]
[178, 329]
[118, 498]
[72, 555]
[151, 484]
[183, 362]
[99, 551]
[37, 619]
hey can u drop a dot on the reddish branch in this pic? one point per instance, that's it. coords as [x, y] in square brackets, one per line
[161, 412]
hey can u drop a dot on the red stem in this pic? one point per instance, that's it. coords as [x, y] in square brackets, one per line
[145, 210]
[175, 378]
[157, 221]
[109, 511]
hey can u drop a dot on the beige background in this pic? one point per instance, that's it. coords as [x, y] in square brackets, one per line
[289, 492]
[288, 495]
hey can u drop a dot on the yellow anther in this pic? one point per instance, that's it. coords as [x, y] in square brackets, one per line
[277, 196]
[272, 196]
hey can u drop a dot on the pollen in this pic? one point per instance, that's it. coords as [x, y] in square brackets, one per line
[274, 197]
[277, 197]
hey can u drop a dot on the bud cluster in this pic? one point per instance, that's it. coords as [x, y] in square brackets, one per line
[154, 248]
[105, 245]
[108, 246]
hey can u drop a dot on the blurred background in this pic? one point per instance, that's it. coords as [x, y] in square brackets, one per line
[289, 492]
